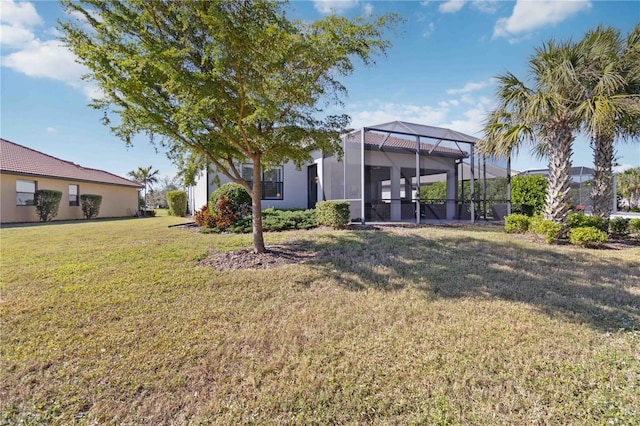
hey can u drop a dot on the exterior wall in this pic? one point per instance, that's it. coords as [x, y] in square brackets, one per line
[294, 192]
[117, 201]
[198, 194]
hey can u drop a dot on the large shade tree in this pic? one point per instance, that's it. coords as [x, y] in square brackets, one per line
[222, 83]
[145, 176]
[541, 114]
[610, 106]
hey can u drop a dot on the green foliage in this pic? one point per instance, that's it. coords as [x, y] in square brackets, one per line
[239, 198]
[634, 227]
[434, 191]
[550, 230]
[203, 217]
[224, 215]
[177, 201]
[517, 223]
[580, 220]
[587, 236]
[333, 213]
[47, 202]
[90, 205]
[619, 226]
[274, 220]
[528, 194]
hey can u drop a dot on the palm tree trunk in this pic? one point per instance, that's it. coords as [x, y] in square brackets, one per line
[602, 189]
[559, 182]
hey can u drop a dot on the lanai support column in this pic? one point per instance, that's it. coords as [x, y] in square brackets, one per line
[362, 180]
[417, 195]
[452, 182]
[471, 190]
[396, 202]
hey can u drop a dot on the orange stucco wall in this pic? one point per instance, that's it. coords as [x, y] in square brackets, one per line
[117, 201]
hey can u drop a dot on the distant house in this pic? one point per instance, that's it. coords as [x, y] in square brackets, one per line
[379, 174]
[24, 170]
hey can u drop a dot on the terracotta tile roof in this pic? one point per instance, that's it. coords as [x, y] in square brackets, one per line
[19, 159]
[373, 140]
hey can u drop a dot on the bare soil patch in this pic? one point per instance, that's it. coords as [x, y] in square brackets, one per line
[276, 256]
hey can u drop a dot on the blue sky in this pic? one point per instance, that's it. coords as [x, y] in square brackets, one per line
[439, 72]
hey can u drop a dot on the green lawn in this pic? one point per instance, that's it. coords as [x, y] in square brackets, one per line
[115, 322]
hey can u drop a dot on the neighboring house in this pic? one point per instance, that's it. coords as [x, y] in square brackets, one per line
[24, 170]
[376, 175]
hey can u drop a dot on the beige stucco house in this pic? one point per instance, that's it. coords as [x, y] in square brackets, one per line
[24, 170]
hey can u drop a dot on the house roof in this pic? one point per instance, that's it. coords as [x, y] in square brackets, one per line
[375, 140]
[21, 160]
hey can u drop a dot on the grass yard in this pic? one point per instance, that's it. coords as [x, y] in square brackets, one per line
[115, 322]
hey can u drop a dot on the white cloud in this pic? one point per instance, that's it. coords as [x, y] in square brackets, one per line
[327, 7]
[367, 9]
[15, 35]
[530, 15]
[38, 58]
[468, 88]
[451, 6]
[429, 30]
[485, 6]
[20, 14]
[383, 113]
[52, 130]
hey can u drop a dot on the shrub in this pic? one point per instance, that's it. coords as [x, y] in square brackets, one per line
[47, 202]
[528, 194]
[549, 230]
[517, 223]
[581, 220]
[278, 220]
[203, 217]
[90, 205]
[240, 200]
[177, 201]
[224, 214]
[619, 226]
[634, 225]
[587, 236]
[333, 213]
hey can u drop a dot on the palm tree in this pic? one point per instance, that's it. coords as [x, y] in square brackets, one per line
[146, 177]
[609, 109]
[629, 185]
[542, 115]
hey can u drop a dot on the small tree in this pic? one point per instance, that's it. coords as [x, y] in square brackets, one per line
[222, 82]
[90, 205]
[47, 202]
[529, 193]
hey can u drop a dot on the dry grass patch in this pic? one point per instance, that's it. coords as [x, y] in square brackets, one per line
[118, 323]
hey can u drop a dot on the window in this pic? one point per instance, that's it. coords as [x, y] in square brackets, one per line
[272, 181]
[73, 195]
[25, 192]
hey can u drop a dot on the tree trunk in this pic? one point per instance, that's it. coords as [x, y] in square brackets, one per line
[256, 205]
[602, 189]
[559, 182]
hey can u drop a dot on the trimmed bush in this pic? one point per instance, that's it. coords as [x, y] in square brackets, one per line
[619, 226]
[517, 223]
[634, 226]
[177, 201]
[203, 217]
[47, 202]
[528, 194]
[90, 205]
[333, 213]
[546, 228]
[240, 200]
[274, 220]
[587, 236]
[581, 220]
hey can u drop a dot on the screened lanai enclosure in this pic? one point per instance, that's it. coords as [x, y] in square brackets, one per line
[405, 172]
